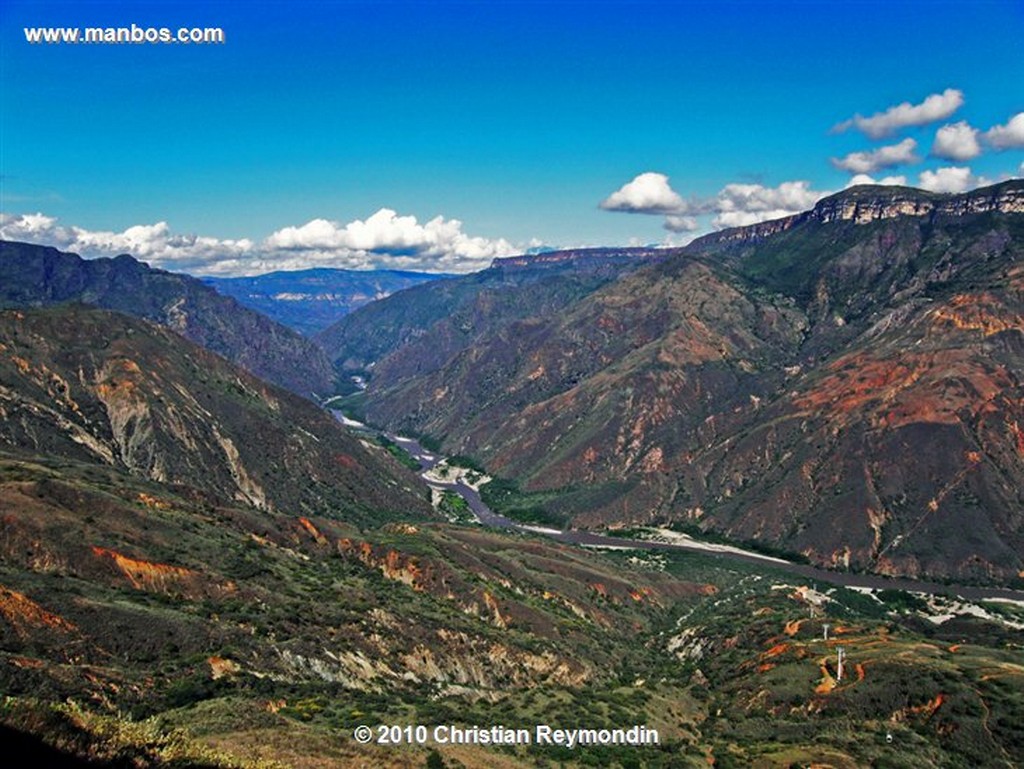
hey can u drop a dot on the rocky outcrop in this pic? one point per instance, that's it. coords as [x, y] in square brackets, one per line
[867, 204]
[871, 203]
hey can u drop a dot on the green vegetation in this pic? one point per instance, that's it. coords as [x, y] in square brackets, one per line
[352, 405]
[176, 624]
[403, 456]
[461, 460]
[116, 740]
[902, 601]
[723, 658]
[455, 508]
[505, 497]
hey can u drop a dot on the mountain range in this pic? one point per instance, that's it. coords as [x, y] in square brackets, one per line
[202, 568]
[843, 384]
[309, 301]
[452, 315]
[35, 276]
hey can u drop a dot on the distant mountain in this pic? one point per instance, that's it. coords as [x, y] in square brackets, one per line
[311, 300]
[448, 316]
[845, 383]
[34, 276]
[91, 386]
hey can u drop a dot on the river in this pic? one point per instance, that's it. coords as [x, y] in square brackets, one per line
[429, 460]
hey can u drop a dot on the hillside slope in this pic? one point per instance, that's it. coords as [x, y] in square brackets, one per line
[92, 386]
[441, 319]
[33, 276]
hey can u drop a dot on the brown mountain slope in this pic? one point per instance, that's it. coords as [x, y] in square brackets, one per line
[845, 384]
[94, 386]
[902, 455]
[34, 276]
[128, 612]
[444, 318]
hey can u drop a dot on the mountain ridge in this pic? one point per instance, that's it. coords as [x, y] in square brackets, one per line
[34, 275]
[871, 202]
[308, 301]
[720, 388]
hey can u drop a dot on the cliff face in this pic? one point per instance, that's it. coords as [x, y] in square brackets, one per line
[868, 204]
[871, 203]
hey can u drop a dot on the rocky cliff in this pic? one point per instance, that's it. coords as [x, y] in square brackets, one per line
[870, 203]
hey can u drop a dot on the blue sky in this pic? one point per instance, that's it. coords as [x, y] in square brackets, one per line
[337, 133]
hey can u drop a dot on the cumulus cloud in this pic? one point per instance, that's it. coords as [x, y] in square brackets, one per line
[385, 239]
[738, 205]
[870, 161]
[956, 141]
[735, 204]
[677, 223]
[153, 243]
[886, 181]
[1009, 136]
[437, 244]
[950, 179]
[938, 106]
[648, 193]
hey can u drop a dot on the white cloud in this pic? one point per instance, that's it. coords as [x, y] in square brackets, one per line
[791, 196]
[738, 205]
[677, 223]
[743, 218]
[957, 141]
[387, 234]
[886, 181]
[734, 205]
[1009, 136]
[16, 226]
[382, 240]
[153, 243]
[870, 161]
[648, 193]
[938, 106]
[950, 179]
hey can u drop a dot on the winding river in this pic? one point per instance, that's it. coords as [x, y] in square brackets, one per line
[429, 460]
